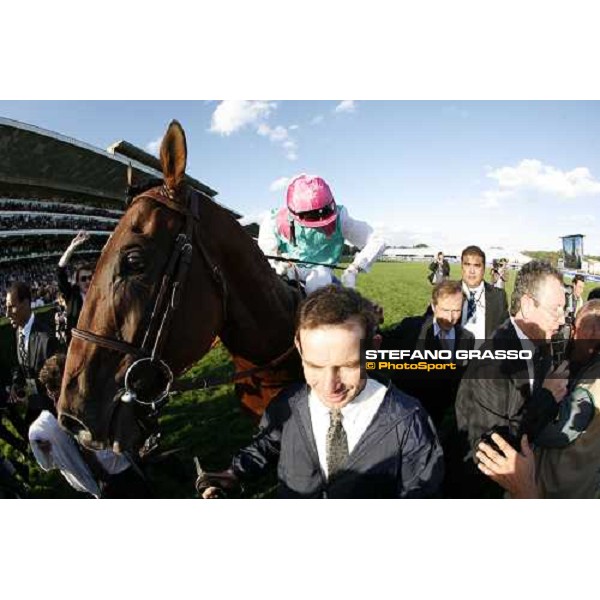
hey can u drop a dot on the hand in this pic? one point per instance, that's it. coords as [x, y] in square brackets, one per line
[80, 238]
[557, 381]
[349, 277]
[281, 267]
[15, 398]
[514, 471]
[216, 485]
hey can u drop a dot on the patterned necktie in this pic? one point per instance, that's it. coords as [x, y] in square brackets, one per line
[337, 443]
[445, 342]
[22, 349]
[471, 306]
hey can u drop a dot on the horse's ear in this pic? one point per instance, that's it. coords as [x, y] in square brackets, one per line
[173, 155]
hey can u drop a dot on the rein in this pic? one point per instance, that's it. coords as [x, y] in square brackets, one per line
[166, 303]
[302, 262]
[207, 383]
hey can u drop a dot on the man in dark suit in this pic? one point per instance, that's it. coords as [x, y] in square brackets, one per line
[340, 435]
[35, 342]
[514, 397]
[439, 330]
[485, 307]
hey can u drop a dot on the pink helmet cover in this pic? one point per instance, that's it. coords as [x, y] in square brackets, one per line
[309, 193]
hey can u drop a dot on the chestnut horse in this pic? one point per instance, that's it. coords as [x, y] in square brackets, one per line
[177, 272]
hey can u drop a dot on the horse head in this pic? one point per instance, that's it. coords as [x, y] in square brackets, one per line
[177, 271]
[140, 277]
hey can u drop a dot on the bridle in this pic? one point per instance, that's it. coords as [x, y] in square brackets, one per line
[149, 355]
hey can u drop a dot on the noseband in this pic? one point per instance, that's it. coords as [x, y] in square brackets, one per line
[148, 355]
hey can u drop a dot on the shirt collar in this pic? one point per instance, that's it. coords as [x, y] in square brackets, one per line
[520, 334]
[27, 329]
[450, 335]
[467, 290]
[350, 408]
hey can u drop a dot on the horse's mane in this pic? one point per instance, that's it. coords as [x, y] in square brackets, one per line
[135, 190]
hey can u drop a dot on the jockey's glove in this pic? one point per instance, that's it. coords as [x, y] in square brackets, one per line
[349, 277]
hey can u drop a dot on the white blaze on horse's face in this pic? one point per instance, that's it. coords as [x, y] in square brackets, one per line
[331, 361]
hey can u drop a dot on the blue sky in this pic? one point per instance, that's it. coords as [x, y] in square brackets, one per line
[517, 174]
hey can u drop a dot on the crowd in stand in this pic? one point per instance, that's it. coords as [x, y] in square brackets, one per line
[44, 245]
[40, 276]
[53, 221]
[57, 207]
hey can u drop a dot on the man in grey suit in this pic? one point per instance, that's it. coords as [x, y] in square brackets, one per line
[35, 342]
[485, 307]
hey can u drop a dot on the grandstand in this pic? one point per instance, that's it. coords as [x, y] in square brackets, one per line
[51, 186]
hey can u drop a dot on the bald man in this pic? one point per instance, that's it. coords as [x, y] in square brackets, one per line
[568, 466]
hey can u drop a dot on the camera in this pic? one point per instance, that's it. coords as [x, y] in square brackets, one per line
[19, 384]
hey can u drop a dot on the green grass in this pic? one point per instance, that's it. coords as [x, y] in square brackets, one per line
[211, 424]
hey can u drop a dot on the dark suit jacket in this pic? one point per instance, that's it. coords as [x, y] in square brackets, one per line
[398, 456]
[42, 345]
[495, 395]
[436, 390]
[496, 308]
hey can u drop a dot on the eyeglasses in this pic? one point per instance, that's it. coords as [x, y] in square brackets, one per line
[317, 214]
[557, 313]
[450, 312]
[84, 278]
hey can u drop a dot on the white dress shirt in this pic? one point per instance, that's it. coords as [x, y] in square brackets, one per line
[476, 325]
[27, 331]
[357, 416]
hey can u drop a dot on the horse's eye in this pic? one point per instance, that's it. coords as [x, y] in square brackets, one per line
[134, 261]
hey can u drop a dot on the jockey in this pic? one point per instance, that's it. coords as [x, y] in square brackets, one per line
[313, 227]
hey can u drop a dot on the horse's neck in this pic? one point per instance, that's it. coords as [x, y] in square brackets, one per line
[260, 317]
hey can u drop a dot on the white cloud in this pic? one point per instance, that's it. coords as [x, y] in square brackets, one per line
[316, 120]
[280, 135]
[154, 146]
[345, 106]
[533, 175]
[279, 184]
[233, 115]
[531, 180]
